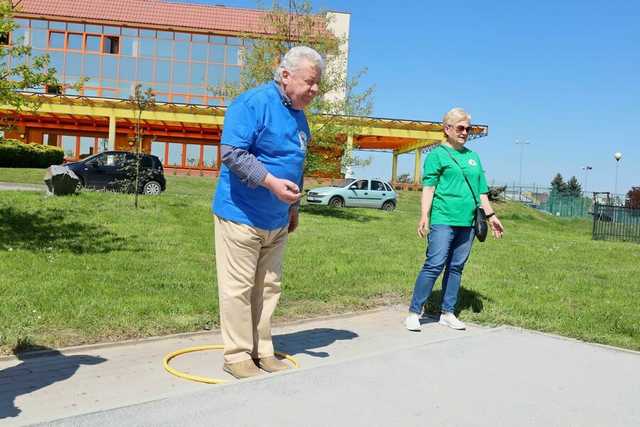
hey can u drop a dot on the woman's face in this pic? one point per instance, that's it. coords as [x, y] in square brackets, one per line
[458, 132]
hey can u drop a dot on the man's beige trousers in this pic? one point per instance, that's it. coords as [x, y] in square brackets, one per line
[249, 266]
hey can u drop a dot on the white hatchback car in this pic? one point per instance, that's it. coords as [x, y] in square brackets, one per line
[360, 193]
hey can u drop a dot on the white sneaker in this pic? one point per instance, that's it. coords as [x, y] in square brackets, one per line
[449, 319]
[412, 322]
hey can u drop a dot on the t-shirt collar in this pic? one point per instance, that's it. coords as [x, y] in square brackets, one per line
[285, 99]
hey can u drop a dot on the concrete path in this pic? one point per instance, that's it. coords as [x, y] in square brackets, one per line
[10, 186]
[358, 370]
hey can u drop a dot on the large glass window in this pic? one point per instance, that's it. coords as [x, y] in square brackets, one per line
[129, 46]
[209, 156]
[214, 74]
[69, 145]
[110, 67]
[233, 75]
[113, 31]
[111, 45]
[233, 55]
[181, 72]
[193, 155]
[56, 40]
[175, 154]
[157, 149]
[74, 41]
[39, 38]
[56, 25]
[147, 47]
[199, 52]
[133, 32]
[86, 146]
[182, 50]
[163, 71]
[56, 60]
[145, 70]
[216, 54]
[75, 27]
[164, 48]
[165, 35]
[91, 66]
[183, 36]
[128, 69]
[20, 36]
[93, 43]
[97, 29]
[38, 23]
[74, 64]
[198, 74]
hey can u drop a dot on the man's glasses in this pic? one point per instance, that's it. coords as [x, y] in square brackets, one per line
[461, 128]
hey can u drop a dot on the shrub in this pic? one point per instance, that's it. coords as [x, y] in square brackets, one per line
[15, 154]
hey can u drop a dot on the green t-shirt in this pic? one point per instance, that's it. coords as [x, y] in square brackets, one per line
[453, 202]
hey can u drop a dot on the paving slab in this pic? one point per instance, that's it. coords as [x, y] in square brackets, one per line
[358, 370]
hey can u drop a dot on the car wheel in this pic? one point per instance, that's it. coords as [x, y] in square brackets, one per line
[388, 206]
[336, 202]
[152, 188]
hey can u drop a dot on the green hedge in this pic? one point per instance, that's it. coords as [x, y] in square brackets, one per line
[15, 154]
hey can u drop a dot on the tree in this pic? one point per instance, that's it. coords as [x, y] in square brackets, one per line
[328, 152]
[558, 186]
[29, 72]
[140, 101]
[633, 198]
[573, 188]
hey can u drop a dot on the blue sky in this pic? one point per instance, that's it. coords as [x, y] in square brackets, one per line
[563, 75]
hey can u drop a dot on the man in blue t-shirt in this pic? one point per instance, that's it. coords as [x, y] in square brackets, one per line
[263, 147]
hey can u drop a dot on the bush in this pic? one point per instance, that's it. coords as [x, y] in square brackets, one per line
[15, 154]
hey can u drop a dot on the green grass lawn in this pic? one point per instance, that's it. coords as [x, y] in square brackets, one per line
[91, 268]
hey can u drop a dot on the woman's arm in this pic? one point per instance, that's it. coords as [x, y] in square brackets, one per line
[425, 207]
[496, 226]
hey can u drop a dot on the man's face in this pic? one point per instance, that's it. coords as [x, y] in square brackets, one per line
[458, 132]
[301, 85]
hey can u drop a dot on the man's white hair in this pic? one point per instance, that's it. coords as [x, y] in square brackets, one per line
[295, 57]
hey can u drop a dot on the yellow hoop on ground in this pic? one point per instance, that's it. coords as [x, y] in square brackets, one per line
[206, 380]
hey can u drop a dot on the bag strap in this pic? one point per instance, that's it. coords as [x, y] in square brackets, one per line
[465, 176]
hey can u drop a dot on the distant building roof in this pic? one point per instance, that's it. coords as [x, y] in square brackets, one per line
[151, 13]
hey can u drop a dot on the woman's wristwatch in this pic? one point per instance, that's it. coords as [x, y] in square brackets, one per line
[490, 215]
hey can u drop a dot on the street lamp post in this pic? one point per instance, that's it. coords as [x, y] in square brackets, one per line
[521, 144]
[617, 156]
[586, 170]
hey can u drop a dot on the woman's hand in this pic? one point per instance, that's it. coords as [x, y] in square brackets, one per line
[423, 227]
[496, 227]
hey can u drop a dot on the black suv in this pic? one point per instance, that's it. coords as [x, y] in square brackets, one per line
[116, 170]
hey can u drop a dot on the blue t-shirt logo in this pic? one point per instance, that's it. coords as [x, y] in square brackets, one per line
[302, 136]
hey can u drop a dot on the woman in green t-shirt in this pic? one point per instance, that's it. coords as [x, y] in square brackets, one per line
[448, 207]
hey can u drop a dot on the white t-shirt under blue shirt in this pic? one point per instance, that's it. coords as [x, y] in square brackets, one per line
[259, 121]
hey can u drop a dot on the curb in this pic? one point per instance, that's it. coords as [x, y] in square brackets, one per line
[140, 341]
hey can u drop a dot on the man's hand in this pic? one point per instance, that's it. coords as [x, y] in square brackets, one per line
[285, 190]
[423, 227]
[293, 219]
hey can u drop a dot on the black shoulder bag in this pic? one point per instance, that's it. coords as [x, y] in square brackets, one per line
[480, 227]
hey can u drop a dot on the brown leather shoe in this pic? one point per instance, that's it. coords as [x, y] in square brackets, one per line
[243, 369]
[272, 364]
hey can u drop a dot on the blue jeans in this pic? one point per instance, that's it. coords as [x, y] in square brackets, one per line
[449, 246]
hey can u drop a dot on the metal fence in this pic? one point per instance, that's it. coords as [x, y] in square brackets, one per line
[616, 223]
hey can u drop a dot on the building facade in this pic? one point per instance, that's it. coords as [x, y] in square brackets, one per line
[181, 51]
